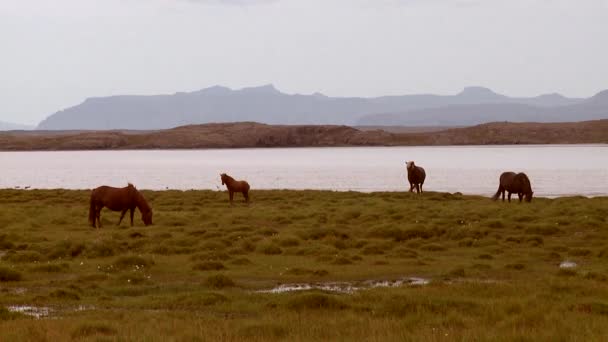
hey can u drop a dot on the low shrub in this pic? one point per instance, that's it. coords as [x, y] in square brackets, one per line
[219, 281]
[7, 315]
[566, 272]
[269, 249]
[433, 247]
[91, 329]
[263, 331]
[51, 268]
[316, 301]
[64, 295]
[208, 266]
[241, 261]
[102, 249]
[132, 261]
[7, 274]
[515, 266]
[23, 257]
[65, 249]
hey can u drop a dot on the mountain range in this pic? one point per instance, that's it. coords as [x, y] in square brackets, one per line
[266, 104]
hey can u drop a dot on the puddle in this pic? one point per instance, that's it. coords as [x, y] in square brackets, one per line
[346, 287]
[33, 311]
[567, 264]
[46, 312]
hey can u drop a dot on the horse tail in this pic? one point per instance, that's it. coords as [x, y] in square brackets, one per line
[92, 210]
[497, 194]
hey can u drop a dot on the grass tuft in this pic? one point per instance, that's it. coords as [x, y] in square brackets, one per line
[7, 274]
[316, 301]
[219, 281]
[209, 266]
[7, 315]
[263, 331]
[132, 261]
[91, 329]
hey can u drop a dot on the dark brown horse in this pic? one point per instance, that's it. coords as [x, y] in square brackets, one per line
[416, 176]
[514, 183]
[118, 199]
[235, 186]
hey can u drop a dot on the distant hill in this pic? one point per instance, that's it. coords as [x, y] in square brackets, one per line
[268, 105]
[250, 134]
[593, 108]
[9, 126]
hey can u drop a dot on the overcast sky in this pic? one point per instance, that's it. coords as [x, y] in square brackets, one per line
[56, 53]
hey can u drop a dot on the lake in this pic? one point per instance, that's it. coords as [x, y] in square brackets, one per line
[554, 170]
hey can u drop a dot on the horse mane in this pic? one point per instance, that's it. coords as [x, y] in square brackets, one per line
[525, 181]
[141, 202]
[227, 177]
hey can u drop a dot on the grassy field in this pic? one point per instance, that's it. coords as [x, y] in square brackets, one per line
[195, 275]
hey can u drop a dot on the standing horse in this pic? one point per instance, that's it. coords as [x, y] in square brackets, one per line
[514, 183]
[118, 199]
[416, 176]
[235, 186]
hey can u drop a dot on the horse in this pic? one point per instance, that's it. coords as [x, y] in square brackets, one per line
[235, 186]
[416, 176]
[514, 183]
[118, 199]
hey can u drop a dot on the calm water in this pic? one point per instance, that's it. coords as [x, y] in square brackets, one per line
[555, 170]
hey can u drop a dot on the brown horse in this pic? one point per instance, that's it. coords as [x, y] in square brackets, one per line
[235, 186]
[118, 199]
[416, 176]
[514, 183]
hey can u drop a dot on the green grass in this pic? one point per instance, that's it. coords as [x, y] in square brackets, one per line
[493, 267]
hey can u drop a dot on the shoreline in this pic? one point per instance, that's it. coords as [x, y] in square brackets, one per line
[327, 191]
[597, 144]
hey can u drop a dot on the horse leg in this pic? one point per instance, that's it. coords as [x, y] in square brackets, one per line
[411, 187]
[98, 215]
[246, 195]
[231, 196]
[132, 212]
[417, 188]
[520, 195]
[503, 194]
[421, 188]
[122, 214]
[509, 196]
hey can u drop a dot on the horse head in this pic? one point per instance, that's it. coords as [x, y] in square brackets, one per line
[528, 196]
[147, 217]
[410, 165]
[223, 177]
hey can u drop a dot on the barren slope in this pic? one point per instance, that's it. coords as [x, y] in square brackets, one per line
[249, 134]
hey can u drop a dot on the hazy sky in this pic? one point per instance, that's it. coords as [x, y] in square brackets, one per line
[55, 53]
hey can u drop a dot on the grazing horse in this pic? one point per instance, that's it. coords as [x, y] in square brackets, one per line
[118, 199]
[415, 175]
[514, 183]
[235, 186]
